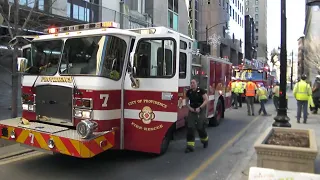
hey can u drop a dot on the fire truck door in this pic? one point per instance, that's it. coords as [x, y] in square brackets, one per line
[151, 92]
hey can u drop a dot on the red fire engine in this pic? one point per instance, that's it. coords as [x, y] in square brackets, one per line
[89, 88]
[258, 75]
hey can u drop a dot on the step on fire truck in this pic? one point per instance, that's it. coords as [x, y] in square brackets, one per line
[93, 87]
[258, 75]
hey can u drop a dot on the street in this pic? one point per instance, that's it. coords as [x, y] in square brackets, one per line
[228, 143]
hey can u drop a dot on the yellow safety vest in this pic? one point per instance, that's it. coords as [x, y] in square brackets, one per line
[233, 86]
[238, 87]
[302, 91]
[262, 94]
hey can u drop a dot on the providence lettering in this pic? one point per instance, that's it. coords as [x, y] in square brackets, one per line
[57, 79]
[147, 101]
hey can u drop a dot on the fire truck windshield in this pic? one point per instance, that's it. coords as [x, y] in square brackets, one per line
[45, 57]
[255, 75]
[94, 55]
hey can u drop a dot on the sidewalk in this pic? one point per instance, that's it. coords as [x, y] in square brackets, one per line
[241, 169]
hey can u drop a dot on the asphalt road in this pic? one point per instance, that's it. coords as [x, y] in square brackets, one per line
[215, 162]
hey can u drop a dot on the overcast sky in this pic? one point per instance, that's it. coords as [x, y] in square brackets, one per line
[295, 23]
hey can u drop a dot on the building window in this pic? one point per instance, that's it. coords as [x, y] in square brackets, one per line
[256, 16]
[257, 30]
[227, 7]
[83, 10]
[257, 2]
[223, 3]
[257, 38]
[257, 9]
[232, 13]
[230, 10]
[247, 9]
[256, 23]
[173, 14]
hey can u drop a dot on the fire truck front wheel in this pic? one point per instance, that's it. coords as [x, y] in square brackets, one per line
[166, 141]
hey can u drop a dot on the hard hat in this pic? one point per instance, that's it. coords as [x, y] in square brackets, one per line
[303, 76]
[233, 78]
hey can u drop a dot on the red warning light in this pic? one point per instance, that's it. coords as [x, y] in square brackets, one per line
[53, 30]
[202, 73]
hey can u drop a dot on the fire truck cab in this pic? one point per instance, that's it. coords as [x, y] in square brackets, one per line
[89, 88]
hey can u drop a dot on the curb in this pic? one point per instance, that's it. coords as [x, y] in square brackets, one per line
[15, 149]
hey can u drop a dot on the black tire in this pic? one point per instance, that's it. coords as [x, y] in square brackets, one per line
[218, 115]
[166, 142]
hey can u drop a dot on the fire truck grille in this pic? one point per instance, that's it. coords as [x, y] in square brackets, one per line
[54, 102]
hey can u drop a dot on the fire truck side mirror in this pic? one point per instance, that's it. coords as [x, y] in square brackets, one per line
[22, 64]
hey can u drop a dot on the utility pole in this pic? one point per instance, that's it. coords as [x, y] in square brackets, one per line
[14, 86]
[282, 119]
[291, 87]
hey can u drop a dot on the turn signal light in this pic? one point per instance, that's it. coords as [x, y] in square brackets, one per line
[83, 103]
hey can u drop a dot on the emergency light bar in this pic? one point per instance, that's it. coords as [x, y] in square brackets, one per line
[108, 24]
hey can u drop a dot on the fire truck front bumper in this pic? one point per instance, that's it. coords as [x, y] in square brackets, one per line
[56, 139]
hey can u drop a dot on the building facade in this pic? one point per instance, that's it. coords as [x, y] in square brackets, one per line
[250, 41]
[301, 63]
[224, 21]
[257, 9]
[311, 42]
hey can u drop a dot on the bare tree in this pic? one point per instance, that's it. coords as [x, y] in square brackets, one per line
[15, 28]
[312, 53]
[274, 53]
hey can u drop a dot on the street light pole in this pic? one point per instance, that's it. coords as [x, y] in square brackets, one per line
[282, 119]
[291, 80]
[207, 30]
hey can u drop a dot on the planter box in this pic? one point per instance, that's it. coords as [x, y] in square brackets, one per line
[286, 158]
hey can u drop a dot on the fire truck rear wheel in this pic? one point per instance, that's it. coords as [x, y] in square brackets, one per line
[216, 119]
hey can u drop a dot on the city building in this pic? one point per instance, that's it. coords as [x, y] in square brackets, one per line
[224, 21]
[311, 42]
[169, 13]
[257, 9]
[250, 41]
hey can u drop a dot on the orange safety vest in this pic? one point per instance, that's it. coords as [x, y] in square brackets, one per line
[250, 89]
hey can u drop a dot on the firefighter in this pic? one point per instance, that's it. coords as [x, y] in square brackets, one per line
[275, 92]
[234, 95]
[262, 97]
[250, 89]
[196, 118]
[240, 89]
[302, 92]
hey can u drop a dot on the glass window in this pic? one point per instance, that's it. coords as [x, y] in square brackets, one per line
[45, 56]
[75, 11]
[175, 22]
[257, 9]
[247, 9]
[155, 58]
[170, 19]
[81, 13]
[183, 45]
[182, 65]
[30, 3]
[170, 4]
[41, 5]
[257, 2]
[87, 15]
[176, 6]
[255, 75]
[97, 55]
[196, 15]
[257, 16]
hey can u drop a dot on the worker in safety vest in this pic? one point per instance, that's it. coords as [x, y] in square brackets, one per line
[262, 97]
[275, 92]
[250, 89]
[240, 89]
[234, 93]
[302, 92]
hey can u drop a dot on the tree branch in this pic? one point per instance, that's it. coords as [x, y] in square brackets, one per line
[7, 21]
[312, 52]
[29, 15]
